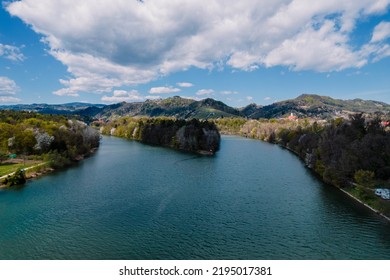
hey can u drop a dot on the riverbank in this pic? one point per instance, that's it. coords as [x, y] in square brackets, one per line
[377, 211]
[372, 208]
[31, 172]
[365, 204]
[43, 168]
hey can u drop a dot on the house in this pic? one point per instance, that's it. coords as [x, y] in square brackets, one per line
[292, 117]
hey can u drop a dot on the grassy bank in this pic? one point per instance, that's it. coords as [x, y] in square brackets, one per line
[11, 166]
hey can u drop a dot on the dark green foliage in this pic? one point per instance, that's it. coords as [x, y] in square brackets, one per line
[3, 156]
[57, 160]
[343, 150]
[16, 178]
[364, 177]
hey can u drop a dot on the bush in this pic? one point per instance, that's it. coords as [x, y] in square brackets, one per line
[56, 160]
[18, 178]
[364, 177]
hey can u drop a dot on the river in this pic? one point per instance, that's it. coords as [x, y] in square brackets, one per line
[252, 200]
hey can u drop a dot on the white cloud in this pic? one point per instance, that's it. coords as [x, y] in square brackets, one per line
[11, 52]
[185, 84]
[249, 98]
[204, 92]
[163, 90]
[8, 88]
[110, 44]
[153, 97]
[122, 95]
[377, 48]
[244, 60]
[228, 92]
[267, 98]
[381, 32]
[319, 49]
[9, 99]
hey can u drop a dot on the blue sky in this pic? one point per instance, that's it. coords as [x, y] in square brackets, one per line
[238, 52]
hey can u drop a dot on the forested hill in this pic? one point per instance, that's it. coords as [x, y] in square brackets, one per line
[178, 107]
[306, 105]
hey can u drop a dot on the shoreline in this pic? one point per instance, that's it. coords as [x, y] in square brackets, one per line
[366, 205]
[344, 191]
[33, 175]
[45, 170]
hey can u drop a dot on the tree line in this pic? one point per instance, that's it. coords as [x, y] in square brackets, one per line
[187, 135]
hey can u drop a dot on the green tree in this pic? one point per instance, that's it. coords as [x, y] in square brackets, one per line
[3, 156]
[364, 177]
[18, 178]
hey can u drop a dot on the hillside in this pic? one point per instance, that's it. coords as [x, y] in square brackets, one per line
[176, 106]
[55, 109]
[306, 105]
[310, 105]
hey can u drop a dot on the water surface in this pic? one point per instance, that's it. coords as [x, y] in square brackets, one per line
[252, 200]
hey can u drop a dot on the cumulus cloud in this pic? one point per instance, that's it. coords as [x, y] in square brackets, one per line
[204, 92]
[163, 90]
[110, 44]
[123, 95]
[267, 98]
[11, 52]
[8, 88]
[320, 48]
[249, 98]
[185, 84]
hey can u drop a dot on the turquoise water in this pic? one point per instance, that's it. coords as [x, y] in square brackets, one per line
[252, 200]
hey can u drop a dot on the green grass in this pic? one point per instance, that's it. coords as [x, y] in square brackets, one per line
[368, 197]
[7, 168]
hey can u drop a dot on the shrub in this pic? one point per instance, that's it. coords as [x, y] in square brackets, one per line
[17, 178]
[364, 177]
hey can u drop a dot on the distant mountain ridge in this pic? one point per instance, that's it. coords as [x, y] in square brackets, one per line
[58, 109]
[311, 105]
[305, 105]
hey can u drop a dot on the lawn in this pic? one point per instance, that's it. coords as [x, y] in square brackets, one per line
[7, 168]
